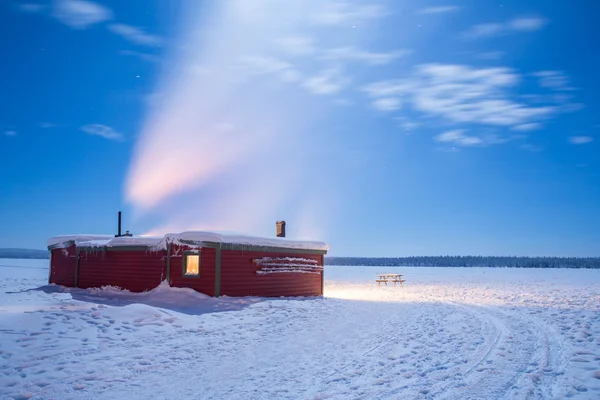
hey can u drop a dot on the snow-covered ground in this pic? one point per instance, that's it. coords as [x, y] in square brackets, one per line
[449, 333]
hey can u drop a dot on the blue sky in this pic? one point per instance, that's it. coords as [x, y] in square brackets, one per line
[386, 128]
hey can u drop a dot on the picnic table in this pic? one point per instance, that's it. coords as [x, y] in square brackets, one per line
[385, 278]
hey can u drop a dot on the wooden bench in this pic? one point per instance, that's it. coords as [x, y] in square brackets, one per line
[385, 278]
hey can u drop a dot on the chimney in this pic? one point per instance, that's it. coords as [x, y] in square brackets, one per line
[280, 228]
[119, 226]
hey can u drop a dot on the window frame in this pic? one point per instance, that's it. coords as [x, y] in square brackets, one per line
[184, 264]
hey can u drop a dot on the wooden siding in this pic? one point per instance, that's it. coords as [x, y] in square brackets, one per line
[239, 277]
[134, 270]
[206, 282]
[62, 266]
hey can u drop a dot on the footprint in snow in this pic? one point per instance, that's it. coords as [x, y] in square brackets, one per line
[22, 396]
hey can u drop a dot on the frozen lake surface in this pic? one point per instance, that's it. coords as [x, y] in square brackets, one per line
[449, 333]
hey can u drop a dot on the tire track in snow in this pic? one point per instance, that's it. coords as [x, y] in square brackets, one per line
[437, 380]
[406, 362]
[518, 363]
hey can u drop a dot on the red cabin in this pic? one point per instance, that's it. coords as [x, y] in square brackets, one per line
[212, 263]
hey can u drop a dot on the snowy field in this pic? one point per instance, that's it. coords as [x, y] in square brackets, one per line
[450, 333]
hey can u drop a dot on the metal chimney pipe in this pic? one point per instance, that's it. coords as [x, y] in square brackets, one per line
[280, 225]
[119, 225]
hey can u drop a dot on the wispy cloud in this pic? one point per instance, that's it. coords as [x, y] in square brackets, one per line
[135, 35]
[467, 94]
[265, 65]
[581, 139]
[459, 137]
[350, 53]
[491, 55]
[464, 94]
[328, 81]
[103, 131]
[525, 24]
[346, 13]
[387, 104]
[47, 125]
[388, 88]
[521, 24]
[296, 45]
[407, 124]
[143, 56]
[31, 7]
[80, 14]
[532, 126]
[555, 80]
[438, 10]
[10, 133]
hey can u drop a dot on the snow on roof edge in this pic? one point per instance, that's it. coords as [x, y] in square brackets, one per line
[235, 238]
[189, 236]
[62, 239]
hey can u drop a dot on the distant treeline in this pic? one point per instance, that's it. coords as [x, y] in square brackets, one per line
[468, 261]
[24, 253]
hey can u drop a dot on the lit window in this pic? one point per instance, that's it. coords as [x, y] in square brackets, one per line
[191, 265]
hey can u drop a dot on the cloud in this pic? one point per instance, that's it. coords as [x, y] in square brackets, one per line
[491, 55]
[527, 24]
[387, 104]
[350, 53]
[407, 124]
[142, 56]
[296, 45]
[580, 139]
[10, 133]
[345, 13]
[464, 94]
[328, 81]
[265, 65]
[135, 35]
[103, 131]
[532, 147]
[438, 10]
[31, 7]
[555, 80]
[483, 30]
[46, 125]
[532, 126]
[458, 137]
[388, 88]
[521, 24]
[80, 14]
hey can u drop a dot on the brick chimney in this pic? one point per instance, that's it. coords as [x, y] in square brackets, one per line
[280, 228]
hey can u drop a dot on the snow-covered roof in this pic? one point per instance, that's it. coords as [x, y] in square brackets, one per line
[196, 237]
[58, 240]
[236, 238]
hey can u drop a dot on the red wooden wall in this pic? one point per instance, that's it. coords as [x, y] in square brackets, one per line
[140, 270]
[62, 266]
[206, 282]
[134, 270]
[239, 277]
